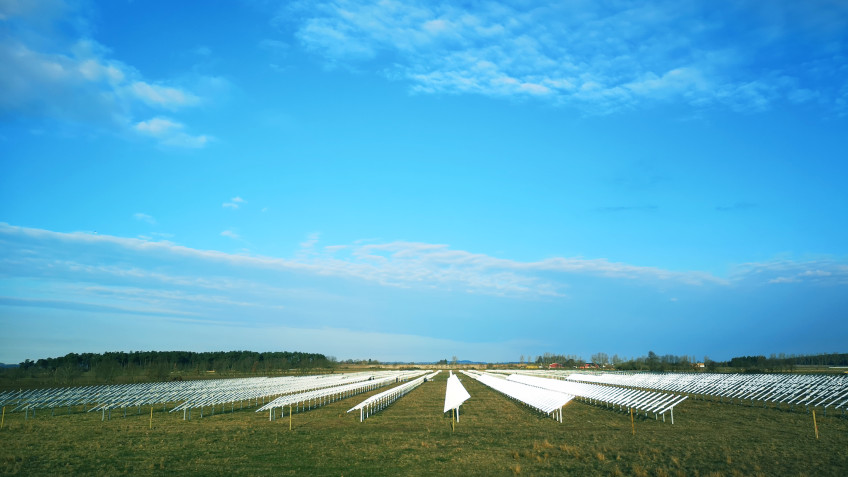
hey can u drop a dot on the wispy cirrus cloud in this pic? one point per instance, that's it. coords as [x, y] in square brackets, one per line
[395, 264]
[64, 74]
[170, 133]
[89, 307]
[163, 96]
[405, 290]
[307, 247]
[600, 56]
[400, 262]
[818, 271]
[234, 203]
[174, 272]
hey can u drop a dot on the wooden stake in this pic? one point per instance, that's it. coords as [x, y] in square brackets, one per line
[815, 425]
[3, 419]
[452, 423]
[290, 417]
[632, 424]
[151, 417]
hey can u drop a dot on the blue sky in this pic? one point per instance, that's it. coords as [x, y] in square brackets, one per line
[406, 180]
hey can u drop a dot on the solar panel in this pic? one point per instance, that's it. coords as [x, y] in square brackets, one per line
[183, 395]
[543, 400]
[809, 390]
[455, 395]
[380, 401]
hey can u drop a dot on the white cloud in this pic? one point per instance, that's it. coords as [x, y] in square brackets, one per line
[397, 295]
[396, 264]
[93, 70]
[405, 265]
[170, 133]
[600, 56]
[821, 271]
[816, 273]
[63, 74]
[234, 203]
[311, 241]
[162, 96]
[158, 126]
[408, 264]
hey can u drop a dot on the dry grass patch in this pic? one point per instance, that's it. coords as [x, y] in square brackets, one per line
[573, 451]
[639, 471]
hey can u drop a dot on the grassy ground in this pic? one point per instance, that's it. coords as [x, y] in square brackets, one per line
[495, 436]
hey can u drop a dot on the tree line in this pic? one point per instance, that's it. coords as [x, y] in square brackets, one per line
[669, 362]
[783, 362]
[160, 365]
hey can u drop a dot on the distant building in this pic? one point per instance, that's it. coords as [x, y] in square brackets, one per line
[700, 365]
[555, 365]
[588, 366]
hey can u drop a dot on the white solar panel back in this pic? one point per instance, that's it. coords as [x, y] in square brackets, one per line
[455, 394]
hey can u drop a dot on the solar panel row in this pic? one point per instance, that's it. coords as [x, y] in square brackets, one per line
[543, 400]
[312, 399]
[809, 390]
[380, 401]
[182, 395]
[641, 400]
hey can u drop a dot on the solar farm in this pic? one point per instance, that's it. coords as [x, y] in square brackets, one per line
[385, 422]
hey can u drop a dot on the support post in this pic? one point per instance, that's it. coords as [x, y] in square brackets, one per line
[151, 417]
[452, 423]
[632, 424]
[815, 425]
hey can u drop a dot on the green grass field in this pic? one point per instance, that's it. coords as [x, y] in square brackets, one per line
[495, 436]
